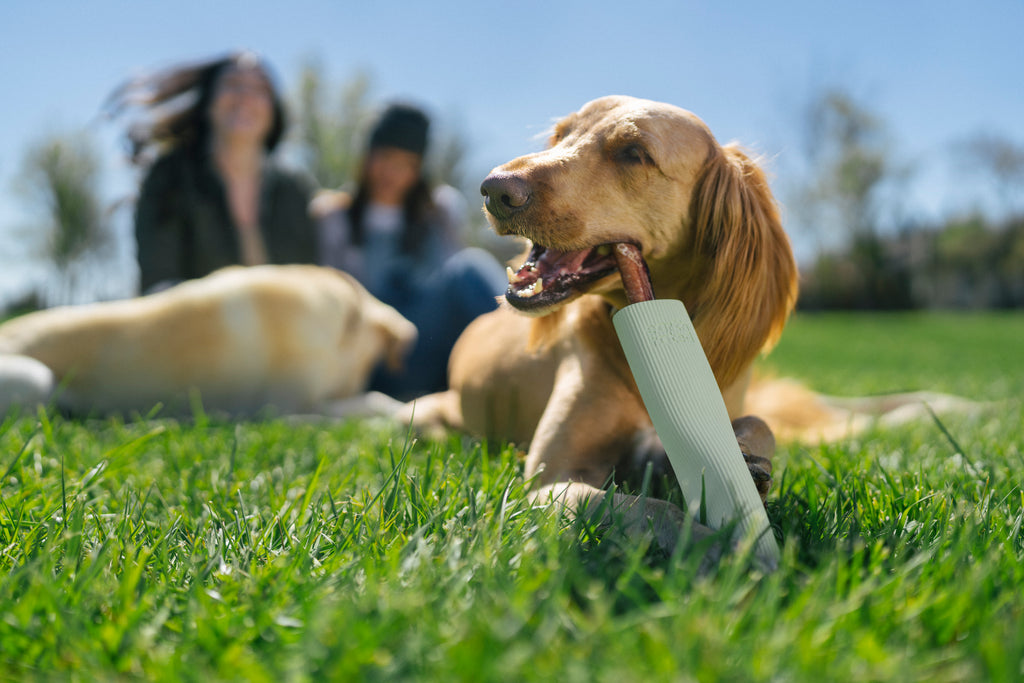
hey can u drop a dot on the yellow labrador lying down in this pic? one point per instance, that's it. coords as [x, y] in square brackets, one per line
[292, 339]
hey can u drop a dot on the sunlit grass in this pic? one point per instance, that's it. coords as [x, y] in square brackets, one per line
[280, 551]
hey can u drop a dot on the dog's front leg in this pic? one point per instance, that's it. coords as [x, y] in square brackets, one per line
[587, 424]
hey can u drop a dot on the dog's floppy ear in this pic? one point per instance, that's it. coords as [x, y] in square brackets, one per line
[397, 334]
[750, 283]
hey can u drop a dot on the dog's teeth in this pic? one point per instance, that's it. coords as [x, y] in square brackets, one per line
[514, 278]
[533, 290]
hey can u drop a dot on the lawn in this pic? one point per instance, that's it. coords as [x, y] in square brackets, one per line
[283, 551]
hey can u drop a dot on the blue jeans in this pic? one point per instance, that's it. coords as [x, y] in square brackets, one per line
[466, 285]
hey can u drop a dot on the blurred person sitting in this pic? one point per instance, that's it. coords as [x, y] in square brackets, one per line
[400, 237]
[214, 196]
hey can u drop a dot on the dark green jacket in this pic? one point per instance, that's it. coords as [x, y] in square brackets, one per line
[184, 229]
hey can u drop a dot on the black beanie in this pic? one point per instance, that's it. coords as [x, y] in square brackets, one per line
[402, 126]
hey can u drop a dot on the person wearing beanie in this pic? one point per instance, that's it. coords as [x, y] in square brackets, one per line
[401, 126]
[399, 236]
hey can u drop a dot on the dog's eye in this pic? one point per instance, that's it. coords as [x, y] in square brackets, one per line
[634, 154]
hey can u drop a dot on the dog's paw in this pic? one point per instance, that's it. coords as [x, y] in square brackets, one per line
[665, 522]
[757, 443]
[761, 472]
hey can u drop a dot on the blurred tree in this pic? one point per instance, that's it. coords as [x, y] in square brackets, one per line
[850, 165]
[329, 132]
[978, 264]
[846, 147]
[59, 177]
[59, 182]
[1011, 265]
[1002, 160]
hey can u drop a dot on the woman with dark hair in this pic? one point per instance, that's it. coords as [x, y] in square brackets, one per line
[213, 196]
[399, 236]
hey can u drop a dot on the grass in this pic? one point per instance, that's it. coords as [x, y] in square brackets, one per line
[278, 551]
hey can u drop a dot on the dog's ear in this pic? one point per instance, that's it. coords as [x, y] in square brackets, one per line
[750, 278]
[397, 334]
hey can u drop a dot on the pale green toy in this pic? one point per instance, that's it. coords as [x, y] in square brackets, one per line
[686, 406]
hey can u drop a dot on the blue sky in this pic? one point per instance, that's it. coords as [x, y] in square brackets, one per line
[935, 72]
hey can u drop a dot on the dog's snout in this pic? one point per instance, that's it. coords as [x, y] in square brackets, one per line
[505, 194]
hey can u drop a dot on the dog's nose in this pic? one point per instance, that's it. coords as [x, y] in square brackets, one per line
[505, 194]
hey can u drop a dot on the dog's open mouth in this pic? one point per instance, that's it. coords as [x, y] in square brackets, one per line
[549, 277]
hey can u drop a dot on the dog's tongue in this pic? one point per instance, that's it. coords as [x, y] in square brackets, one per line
[550, 268]
[544, 267]
[636, 277]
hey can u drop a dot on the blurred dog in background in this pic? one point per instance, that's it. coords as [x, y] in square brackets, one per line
[287, 339]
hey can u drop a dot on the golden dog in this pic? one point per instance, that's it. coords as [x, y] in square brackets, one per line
[291, 339]
[620, 170]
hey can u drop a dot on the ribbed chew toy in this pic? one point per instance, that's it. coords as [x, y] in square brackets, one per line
[685, 404]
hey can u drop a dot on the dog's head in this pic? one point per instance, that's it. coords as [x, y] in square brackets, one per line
[652, 175]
